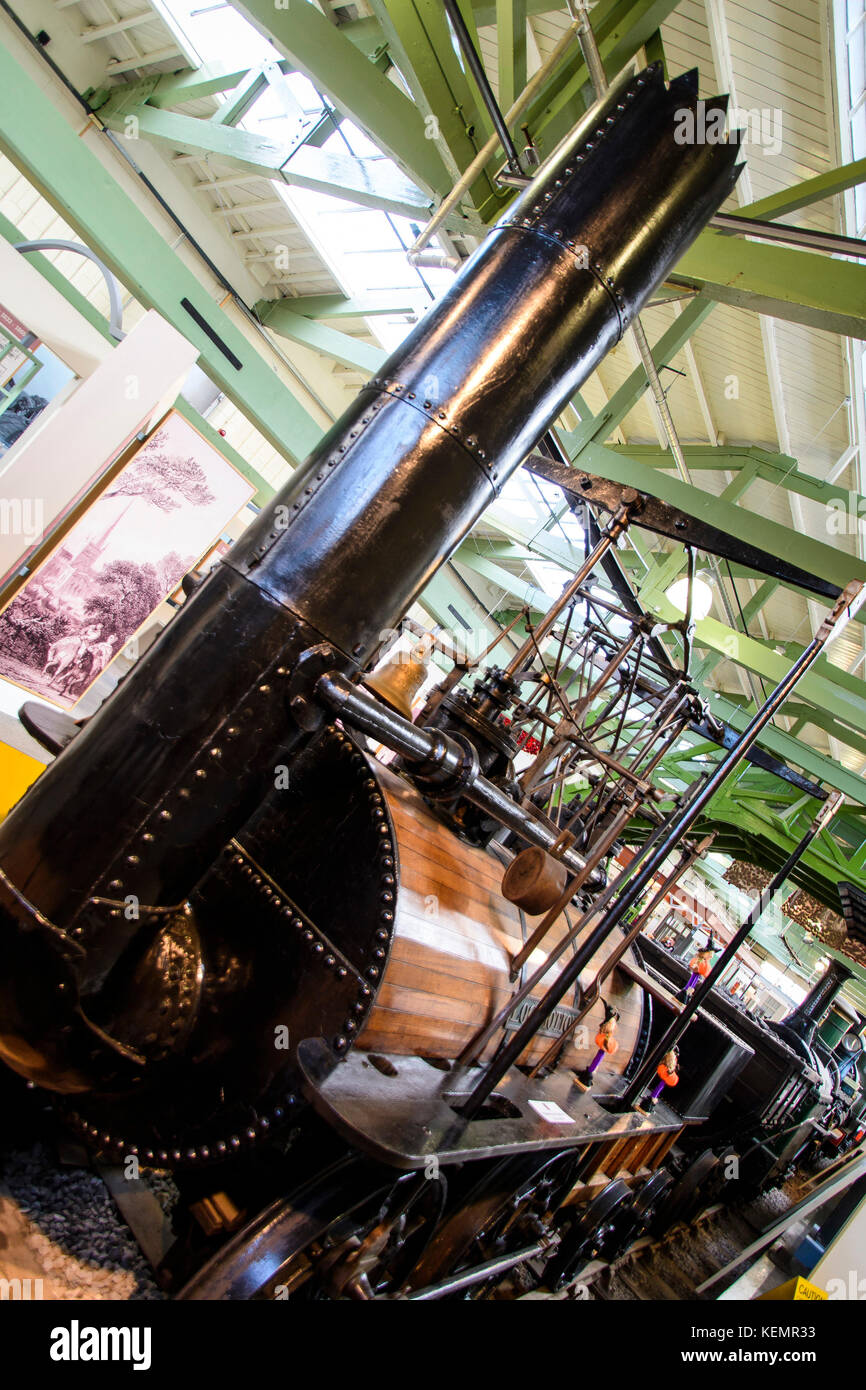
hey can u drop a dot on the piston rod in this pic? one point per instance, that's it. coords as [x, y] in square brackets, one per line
[447, 766]
[467, 1278]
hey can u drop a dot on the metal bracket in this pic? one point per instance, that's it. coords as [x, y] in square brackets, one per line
[668, 521]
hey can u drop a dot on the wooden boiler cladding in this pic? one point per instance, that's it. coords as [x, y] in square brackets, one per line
[454, 936]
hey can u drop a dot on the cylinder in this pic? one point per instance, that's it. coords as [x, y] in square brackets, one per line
[454, 937]
[143, 801]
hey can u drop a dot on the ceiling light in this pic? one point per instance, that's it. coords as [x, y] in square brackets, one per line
[702, 596]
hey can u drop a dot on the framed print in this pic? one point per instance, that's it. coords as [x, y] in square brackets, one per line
[149, 526]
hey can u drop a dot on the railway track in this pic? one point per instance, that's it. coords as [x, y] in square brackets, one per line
[670, 1268]
[651, 1268]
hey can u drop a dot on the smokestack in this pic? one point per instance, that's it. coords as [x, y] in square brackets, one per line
[141, 803]
[807, 1015]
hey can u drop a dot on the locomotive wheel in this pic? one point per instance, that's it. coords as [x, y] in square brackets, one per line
[702, 1180]
[600, 1233]
[512, 1206]
[341, 1237]
[650, 1198]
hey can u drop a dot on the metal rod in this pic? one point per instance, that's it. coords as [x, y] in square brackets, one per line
[469, 175]
[845, 607]
[589, 996]
[618, 824]
[609, 535]
[837, 245]
[678, 1026]
[456, 1282]
[476, 67]
[477, 1044]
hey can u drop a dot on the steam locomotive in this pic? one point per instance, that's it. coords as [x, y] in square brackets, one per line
[237, 944]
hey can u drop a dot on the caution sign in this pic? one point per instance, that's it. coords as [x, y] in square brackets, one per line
[797, 1290]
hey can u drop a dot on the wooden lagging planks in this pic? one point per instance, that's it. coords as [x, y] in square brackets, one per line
[454, 938]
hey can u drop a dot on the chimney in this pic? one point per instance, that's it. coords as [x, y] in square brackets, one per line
[807, 1015]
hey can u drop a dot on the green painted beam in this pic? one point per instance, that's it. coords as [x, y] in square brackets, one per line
[794, 751]
[818, 557]
[420, 43]
[175, 89]
[48, 152]
[809, 714]
[511, 41]
[769, 836]
[485, 10]
[242, 99]
[539, 543]
[740, 483]
[370, 182]
[366, 34]
[445, 591]
[844, 506]
[764, 593]
[353, 84]
[330, 342]
[522, 589]
[655, 53]
[798, 286]
[804, 715]
[821, 689]
[244, 150]
[621, 29]
[339, 306]
[803, 195]
[169, 89]
[597, 428]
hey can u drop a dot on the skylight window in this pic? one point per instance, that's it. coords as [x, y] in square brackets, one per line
[364, 248]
